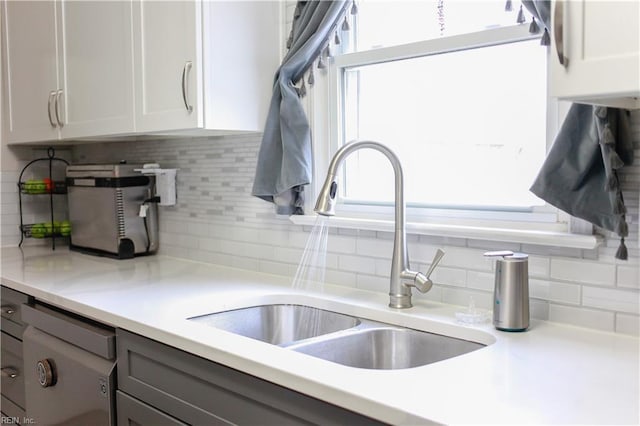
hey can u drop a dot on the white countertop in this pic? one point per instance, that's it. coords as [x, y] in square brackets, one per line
[550, 374]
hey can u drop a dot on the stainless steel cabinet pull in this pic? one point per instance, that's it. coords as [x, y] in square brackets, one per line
[185, 78]
[558, 32]
[10, 372]
[58, 107]
[8, 309]
[52, 94]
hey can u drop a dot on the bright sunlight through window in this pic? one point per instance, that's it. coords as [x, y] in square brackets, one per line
[468, 123]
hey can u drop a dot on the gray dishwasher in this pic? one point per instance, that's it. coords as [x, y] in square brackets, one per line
[69, 368]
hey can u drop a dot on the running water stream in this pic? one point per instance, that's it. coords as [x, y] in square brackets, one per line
[311, 270]
[311, 273]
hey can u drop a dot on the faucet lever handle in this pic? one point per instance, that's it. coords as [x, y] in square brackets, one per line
[436, 259]
[421, 281]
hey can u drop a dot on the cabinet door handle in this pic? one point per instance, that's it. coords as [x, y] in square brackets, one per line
[52, 94]
[10, 372]
[558, 32]
[57, 109]
[8, 309]
[185, 89]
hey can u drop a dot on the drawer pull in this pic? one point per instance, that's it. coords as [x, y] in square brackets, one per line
[10, 372]
[46, 373]
[8, 309]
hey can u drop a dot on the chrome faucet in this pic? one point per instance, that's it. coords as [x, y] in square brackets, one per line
[402, 278]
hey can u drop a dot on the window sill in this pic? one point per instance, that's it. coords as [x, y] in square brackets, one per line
[544, 238]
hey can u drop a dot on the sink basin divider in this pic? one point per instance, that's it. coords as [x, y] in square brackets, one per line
[363, 326]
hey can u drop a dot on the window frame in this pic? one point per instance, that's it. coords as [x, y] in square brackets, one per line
[545, 225]
[324, 107]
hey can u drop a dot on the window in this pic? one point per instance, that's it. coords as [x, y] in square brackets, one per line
[456, 91]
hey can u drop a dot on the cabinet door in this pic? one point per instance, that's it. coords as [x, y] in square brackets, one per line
[167, 42]
[201, 392]
[12, 385]
[29, 60]
[601, 41]
[131, 411]
[97, 68]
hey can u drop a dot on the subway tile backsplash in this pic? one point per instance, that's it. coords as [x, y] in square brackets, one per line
[217, 221]
[583, 272]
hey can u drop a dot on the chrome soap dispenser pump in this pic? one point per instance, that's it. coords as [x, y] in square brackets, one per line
[511, 292]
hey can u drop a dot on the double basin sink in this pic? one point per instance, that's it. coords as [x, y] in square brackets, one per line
[339, 338]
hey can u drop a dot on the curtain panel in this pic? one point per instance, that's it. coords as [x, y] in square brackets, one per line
[285, 160]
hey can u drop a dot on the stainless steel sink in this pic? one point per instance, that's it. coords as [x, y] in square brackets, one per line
[343, 339]
[387, 348]
[279, 324]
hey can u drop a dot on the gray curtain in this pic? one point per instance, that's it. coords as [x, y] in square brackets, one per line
[285, 156]
[541, 10]
[580, 173]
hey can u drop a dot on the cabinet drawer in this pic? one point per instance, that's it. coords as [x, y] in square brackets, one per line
[11, 412]
[12, 370]
[90, 336]
[134, 412]
[199, 391]
[12, 311]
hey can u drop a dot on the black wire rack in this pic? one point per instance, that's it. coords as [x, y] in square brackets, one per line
[43, 187]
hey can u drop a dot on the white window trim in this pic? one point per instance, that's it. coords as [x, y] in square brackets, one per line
[551, 225]
[505, 235]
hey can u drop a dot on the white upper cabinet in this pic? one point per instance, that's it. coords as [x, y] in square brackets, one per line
[168, 62]
[67, 69]
[204, 65]
[29, 69]
[94, 69]
[600, 45]
[97, 64]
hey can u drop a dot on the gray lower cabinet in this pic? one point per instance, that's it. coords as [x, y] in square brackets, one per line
[12, 381]
[12, 394]
[132, 412]
[71, 364]
[159, 384]
[11, 311]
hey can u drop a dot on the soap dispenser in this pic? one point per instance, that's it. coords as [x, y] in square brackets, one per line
[511, 292]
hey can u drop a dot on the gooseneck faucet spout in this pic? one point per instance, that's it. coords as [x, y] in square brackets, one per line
[402, 278]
